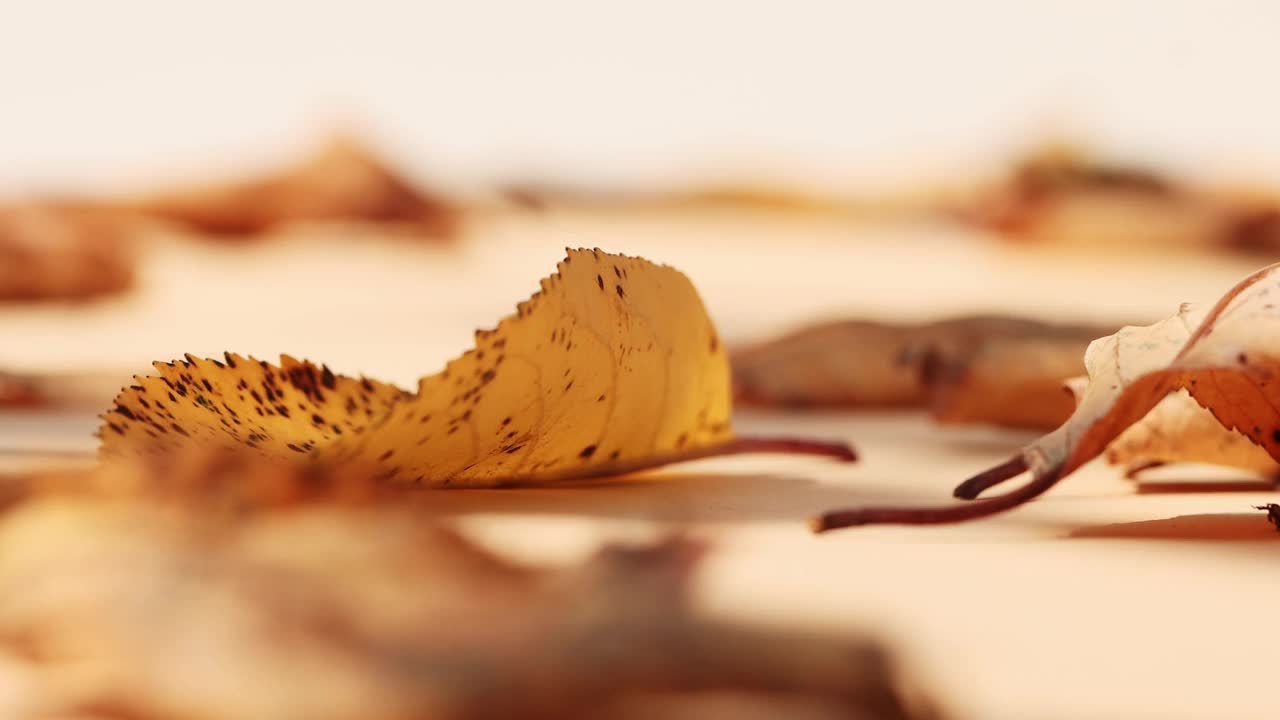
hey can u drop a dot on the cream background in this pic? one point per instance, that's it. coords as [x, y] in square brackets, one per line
[1008, 618]
[861, 92]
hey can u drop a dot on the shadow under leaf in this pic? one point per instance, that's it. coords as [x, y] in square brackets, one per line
[1216, 527]
[1171, 487]
[664, 497]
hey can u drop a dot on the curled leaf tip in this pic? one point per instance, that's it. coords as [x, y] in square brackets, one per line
[987, 479]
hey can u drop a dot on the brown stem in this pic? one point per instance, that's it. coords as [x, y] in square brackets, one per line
[980, 483]
[934, 515]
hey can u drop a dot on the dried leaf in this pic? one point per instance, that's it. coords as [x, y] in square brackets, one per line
[1179, 430]
[1059, 195]
[62, 252]
[841, 364]
[1013, 381]
[613, 366]
[1224, 358]
[19, 391]
[115, 604]
[343, 181]
[973, 369]
[240, 401]
[541, 396]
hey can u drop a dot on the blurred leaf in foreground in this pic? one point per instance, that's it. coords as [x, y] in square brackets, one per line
[234, 588]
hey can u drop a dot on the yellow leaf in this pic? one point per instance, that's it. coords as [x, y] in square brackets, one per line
[612, 366]
[239, 401]
[614, 361]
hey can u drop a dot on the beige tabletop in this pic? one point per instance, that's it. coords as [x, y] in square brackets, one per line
[1095, 601]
